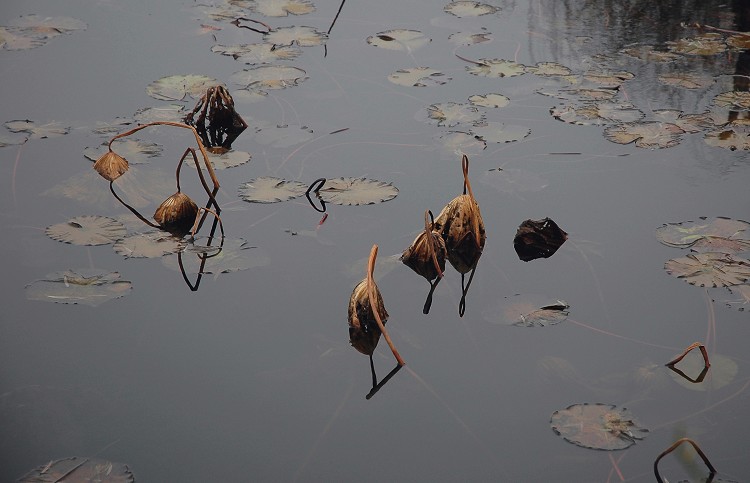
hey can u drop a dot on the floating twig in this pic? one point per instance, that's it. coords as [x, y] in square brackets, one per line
[688, 349]
[373, 305]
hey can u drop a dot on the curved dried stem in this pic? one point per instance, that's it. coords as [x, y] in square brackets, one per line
[198, 221]
[474, 205]
[688, 349]
[132, 210]
[373, 305]
[673, 447]
[429, 223]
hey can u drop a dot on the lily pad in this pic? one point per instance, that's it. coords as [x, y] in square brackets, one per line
[686, 80]
[689, 233]
[356, 191]
[597, 113]
[37, 131]
[469, 38]
[529, 310]
[549, 69]
[134, 150]
[171, 112]
[281, 8]
[459, 143]
[83, 286]
[80, 469]
[513, 180]
[489, 100]
[497, 68]
[113, 127]
[418, 77]
[733, 100]
[269, 77]
[260, 53]
[450, 114]
[731, 137]
[690, 123]
[647, 53]
[222, 12]
[281, 136]
[12, 139]
[152, 244]
[723, 370]
[707, 44]
[177, 87]
[301, 36]
[607, 79]
[710, 269]
[87, 230]
[267, 189]
[14, 38]
[597, 426]
[464, 8]
[235, 255]
[48, 26]
[650, 135]
[497, 132]
[399, 39]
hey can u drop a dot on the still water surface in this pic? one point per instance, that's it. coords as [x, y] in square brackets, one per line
[251, 377]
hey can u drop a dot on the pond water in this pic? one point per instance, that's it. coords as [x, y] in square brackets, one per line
[251, 377]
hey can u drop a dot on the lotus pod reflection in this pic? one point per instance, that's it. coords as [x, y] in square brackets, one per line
[111, 165]
[177, 213]
[427, 253]
[364, 332]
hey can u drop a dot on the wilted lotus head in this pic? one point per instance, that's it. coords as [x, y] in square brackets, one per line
[111, 165]
[364, 332]
[177, 213]
[419, 256]
[462, 227]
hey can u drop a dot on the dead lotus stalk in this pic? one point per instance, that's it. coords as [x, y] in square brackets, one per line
[365, 307]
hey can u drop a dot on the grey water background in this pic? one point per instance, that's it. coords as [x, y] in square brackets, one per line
[252, 378]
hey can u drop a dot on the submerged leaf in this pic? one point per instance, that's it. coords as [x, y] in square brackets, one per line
[48, 26]
[457, 143]
[134, 150]
[466, 8]
[79, 469]
[467, 38]
[37, 131]
[302, 36]
[258, 53]
[82, 286]
[450, 114]
[513, 180]
[650, 135]
[689, 233]
[710, 269]
[399, 39]
[497, 68]
[281, 8]
[418, 77]
[497, 132]
[87, 230]
[597, 426]
[528, 310]
[153, 244]
[171, 112]
[489, 100]
[266, 189]
[723, 370]
[235, 255]
[269, 77]
[177, 87]
[281, 136]
[356, 191]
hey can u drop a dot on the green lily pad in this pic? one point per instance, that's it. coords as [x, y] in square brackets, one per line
[80, 469]
[261, 53]
[689, 233]
[497, 68]
[301, 36]
[464, 8]
[83, 286]
[37, 131]
[418, 77]
[178, 87]
[497, 132]
[597, 426]
[269, 77]
[267, 189]
[710, 269]
[399, 39]
[153, 244]
[87, 230]
[356, 191]
[649, 135]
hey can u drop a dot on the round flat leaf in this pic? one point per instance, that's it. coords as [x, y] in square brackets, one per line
[87, 230]
[113, 127]
[497, 68]
[513, 180]
[730, 137]
[301, 36]
[281, 136]
[15, 38]
[608, 80]
[463, 8]
[153, 244]
[688, 233]
[80, 469]
[733, 100]
[597, 113]
[528, 310]
[723, 370]
[707, 44]
[36, 130]
[134, 150]
[690, 123]
[258, 53]
[686, 80]
[489, 100]
[270, 190]
[47, 26]
[710, 269]
[460, 143]
[549, 69]
[222, 12]
[647, 53]
[177, 87]
[650, 135]
[450, 114]
[597, 426]
[418, 77]
[171, 112]
[269, 77]
[497, 132]
[83, 286]
[12, 139]
[468, 38]
[356, 191]
[281, 8]
[399, 39]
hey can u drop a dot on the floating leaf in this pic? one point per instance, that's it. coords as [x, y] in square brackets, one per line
[464, 8]
[608, 80]
[686, 80]
[152, 244]
[230, 159]
[418, 77]
[710, 269]
[739, 41]
[302, 36]
[82, 286]
[171, 112]
[258, 53]
[79, 469]
[707, 44]
[731, 137]
[528, 310]
[466, 38]
[722, 372]
[690, 123]
[270, 190]
[451, 113]
[733, 100]
[399, 39]
[113, 127]
[12, 140]
[356, 191]
[597, 113]
[538, 239]
[497, 68]
[48, 26]
[281, 136]
[177, 87]
[87, 230]
[269, 77]
[497, 132]
[134, 150]
[650, 135]
[688, 233]
[597, 426]
[489, 100]
[647, 53]
[512, 180]
[235, 255]
[460, 143]
[222, 12]
[37, 131]
[549, 69]
[741, 297]
[13, 38]
[281, 8]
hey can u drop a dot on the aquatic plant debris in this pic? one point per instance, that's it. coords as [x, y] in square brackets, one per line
[710, 269]
[87, 230]
[527, 310]
[80, 469]
[597, 426]
[538, 239]
[706, 233]
[81, 286]
[418, 77]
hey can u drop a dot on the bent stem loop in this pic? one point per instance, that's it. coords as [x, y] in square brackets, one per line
[474, 206]
[133, 210]
[687, 350]
[673, 447]
[371, 296]
[198, 222]
[429, 223]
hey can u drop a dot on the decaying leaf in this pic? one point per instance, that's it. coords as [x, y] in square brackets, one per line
[399, 39]
[450, 114]
[87, 230]
[261, 53]
[649, 135]
[177, 213]
[710, 269]
[36, 130]
[177, 87]
[549, 69]
[489, 100]
[538, 239]
[135, 151]
[419, 77]
[301, 36]
[686, 80]
[280, 8]
[733, 100]
[527, 310]
[82, 286]
[722, 372]
[498, 132]
[170, 113]
[153, 244]
[497, 68]
[466, 8]
[468, 38]
[706, 44]
[457, 143]
[269, 77]
[732, 137]
[597, 426]
[79, 469]
[706, 233]
[111, 165]
[647, 53]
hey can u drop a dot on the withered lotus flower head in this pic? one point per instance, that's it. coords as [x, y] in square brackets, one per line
[427, 253]
[364, 332]
[462, 227]
[111, 165]
[176, 211]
